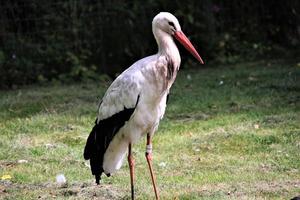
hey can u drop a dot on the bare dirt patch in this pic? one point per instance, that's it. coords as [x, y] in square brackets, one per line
[71, 191]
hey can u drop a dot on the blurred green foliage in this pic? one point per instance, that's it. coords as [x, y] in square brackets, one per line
[77, 39]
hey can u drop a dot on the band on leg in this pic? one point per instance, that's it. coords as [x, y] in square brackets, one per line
[149, 148]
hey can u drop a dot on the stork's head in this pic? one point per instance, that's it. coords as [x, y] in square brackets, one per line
[168, 23]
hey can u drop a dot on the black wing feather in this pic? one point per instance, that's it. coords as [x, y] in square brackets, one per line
[100, 137]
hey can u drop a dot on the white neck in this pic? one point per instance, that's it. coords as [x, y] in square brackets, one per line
[167, 46]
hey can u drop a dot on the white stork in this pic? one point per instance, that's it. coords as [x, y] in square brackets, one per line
[135, 102]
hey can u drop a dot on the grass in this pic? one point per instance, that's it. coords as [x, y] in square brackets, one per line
[230, 132]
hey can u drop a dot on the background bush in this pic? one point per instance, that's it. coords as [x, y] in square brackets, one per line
[67, 40]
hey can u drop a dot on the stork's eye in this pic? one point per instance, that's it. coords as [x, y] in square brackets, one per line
[172, 24]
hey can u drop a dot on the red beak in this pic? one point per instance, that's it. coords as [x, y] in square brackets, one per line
[180, 36]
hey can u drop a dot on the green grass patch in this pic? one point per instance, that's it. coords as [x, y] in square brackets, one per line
[229, 132]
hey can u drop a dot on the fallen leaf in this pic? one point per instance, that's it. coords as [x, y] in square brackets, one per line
[6, 177]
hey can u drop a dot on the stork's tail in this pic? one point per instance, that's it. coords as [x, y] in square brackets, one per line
[96, 145]
[101, 136]
[93, 153]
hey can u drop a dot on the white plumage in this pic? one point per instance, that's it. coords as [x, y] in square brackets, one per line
[143, 79]
[143, 87]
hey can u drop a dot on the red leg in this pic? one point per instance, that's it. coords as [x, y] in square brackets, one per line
[149, 161]
[131, 168]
